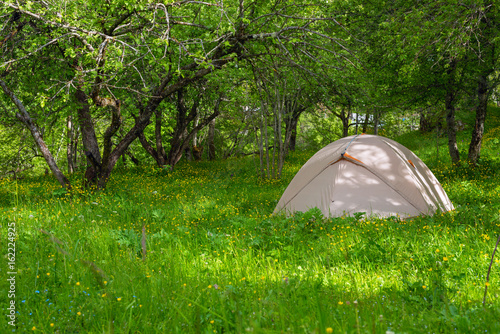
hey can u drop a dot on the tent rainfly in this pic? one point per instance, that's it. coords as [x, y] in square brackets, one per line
[365, 173]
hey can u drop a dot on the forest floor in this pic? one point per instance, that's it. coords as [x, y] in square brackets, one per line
[218, 262]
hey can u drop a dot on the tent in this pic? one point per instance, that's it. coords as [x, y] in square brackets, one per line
[365, 173]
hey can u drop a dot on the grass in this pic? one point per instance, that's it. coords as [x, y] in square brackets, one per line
[218, 262]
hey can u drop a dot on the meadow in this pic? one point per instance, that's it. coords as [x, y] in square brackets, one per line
[197, 250]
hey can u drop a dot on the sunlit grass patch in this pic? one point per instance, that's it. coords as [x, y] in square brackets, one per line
[217, 260]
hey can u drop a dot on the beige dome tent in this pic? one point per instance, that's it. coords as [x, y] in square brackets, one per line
[365, 173]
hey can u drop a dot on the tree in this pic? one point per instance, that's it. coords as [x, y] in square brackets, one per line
[107, 51]
[433, 52]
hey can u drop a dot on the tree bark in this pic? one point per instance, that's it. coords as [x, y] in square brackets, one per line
[210, 140]
[178, 142]
[24, 117]
[71, 145]
[477, 133]
[160, 150]
[89, 139]
[376, 120]
[293, 134]
[291, 127]
[345, 121]
[182, 138]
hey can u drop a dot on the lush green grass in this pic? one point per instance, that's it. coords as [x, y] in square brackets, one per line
[217, 261]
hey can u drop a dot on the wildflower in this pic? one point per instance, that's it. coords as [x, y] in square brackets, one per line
[340, 303]
[79, 313]
[209, 286]
[329, 330]
[34, 328]
[216, 286]
[487, 283]
[118, 299]
[445, 258]
[211, 321]
[423, 286]
[48, 274]
[51, 325]
[77, 283]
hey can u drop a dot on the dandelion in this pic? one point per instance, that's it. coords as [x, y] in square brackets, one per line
[329, 330]
[423, 286]
[52, 325]
[79, 313]
[34, 328]
[77, 283]
[48, 274]
[445, 258]
[340, 303]
[118, 299]
[209, 286]
[487, 284]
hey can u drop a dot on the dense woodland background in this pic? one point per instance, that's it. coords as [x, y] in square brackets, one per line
[91, 84]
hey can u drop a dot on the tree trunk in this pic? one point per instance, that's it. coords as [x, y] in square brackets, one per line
[181, 137]
[450, 114]
[147, 146]
[345, 121]
[70, 146]
[210, 140]
[293, 134]
[24, 117]
[365, 123]
[291, 128]
[376, 120]
[357, 121]
[477, 133]
[89, 139]
[160, 150]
